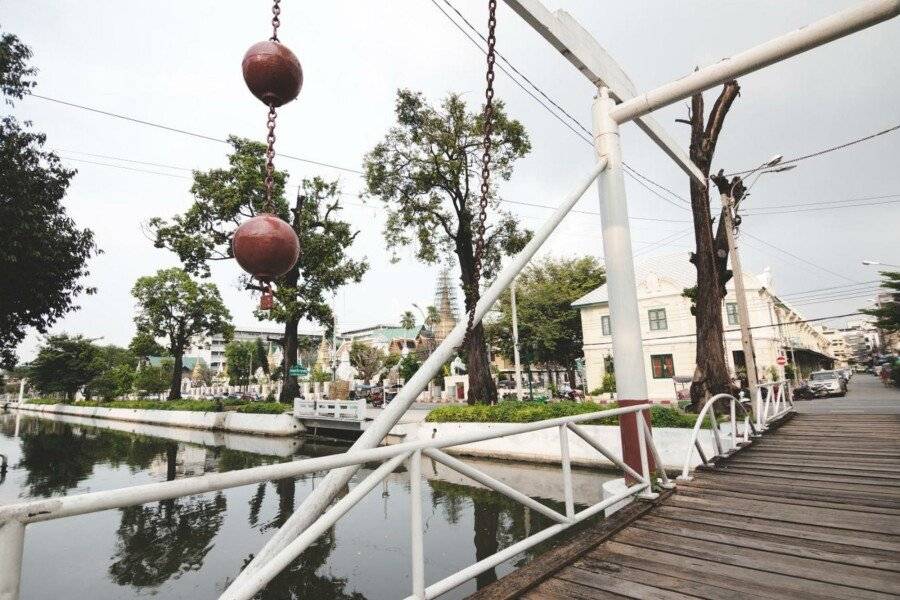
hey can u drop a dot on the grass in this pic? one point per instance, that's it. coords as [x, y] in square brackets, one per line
[190, 405]
[528, 412]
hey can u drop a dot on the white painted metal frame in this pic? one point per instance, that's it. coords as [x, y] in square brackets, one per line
[772, 402]
[15, 517]
[733, 432]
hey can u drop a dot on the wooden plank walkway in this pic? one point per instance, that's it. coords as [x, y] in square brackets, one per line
[811, 510]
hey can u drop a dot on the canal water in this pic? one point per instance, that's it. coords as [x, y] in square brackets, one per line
[193, 547]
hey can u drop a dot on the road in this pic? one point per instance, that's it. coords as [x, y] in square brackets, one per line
[865, 393]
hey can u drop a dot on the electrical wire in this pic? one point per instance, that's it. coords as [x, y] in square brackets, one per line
[801, 259]
[826, 150]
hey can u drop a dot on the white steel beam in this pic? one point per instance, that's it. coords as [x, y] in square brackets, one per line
[581, 49]
[800, 40]
[331, 486]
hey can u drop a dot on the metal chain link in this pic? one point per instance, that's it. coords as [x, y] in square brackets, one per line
[270, 158]
[276, 22]
[472, 293]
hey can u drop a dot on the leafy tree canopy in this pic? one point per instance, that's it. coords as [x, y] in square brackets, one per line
[407, 320]
[549, 327]
[239, 357]
[45, 267]
[174, 306]
[64, 364]
[143, 345]
[366, 359]
[887, 315]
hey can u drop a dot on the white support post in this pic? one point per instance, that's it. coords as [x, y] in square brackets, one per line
[566, 471]
[515, 337]
[647, 493]
[332, 484]
[417, 540]
[12, 543]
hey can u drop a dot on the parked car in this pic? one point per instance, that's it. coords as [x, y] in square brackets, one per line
[828, 383]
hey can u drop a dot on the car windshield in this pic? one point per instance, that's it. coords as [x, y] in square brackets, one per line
[823, 376]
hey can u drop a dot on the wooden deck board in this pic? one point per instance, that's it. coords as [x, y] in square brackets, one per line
[811, 510]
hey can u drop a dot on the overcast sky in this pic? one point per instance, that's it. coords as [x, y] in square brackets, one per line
[178, 64]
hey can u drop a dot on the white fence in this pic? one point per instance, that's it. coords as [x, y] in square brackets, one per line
[352, 410]
[14, 518]
[772, 401]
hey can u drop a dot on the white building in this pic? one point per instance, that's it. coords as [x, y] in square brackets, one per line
[669, 332]
[212, 348]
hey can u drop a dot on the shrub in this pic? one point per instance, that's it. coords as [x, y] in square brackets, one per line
[528, 412]
[267, 408]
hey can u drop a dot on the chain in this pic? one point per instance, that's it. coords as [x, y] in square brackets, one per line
[276, 22]
[472, 291]
[270, 157]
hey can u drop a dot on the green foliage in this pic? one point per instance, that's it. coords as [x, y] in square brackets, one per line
[407, 320]
[609, 383]
[44, 255]
[116, 373]
[691, 294]
[887, 315]
[366, 359]
[528, 412]
[64, 364]
[392, 360]
[408, 366]
[269, 408]
[238, 356]
[144, 345]
[261, 356]
[318, 375]
[789, 372]
[174, 306]
[150, 380]
[224, 198]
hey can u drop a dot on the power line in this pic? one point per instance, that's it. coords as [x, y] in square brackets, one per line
[833, 287]
[782, 250]
[183, 131]
[822, 209]
[827, 150]
[589, 135]
[864, 198]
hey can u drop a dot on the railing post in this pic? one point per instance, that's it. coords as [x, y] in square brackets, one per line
[415, 525]
[734, 441]
[12, 543]
[566, 471]
[648, 493]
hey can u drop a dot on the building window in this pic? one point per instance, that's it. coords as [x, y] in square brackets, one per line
[657, 318]
[731, 312]
[605, 325]
[662, 366]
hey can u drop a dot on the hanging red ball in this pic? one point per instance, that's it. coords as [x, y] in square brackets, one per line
[272, 72]
[266, 247]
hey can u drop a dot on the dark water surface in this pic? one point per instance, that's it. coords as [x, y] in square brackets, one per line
[193, 547]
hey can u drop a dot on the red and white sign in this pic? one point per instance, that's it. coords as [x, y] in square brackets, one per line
[781, 360]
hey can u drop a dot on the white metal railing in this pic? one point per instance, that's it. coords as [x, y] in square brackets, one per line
[348, 410]
[733, 432]
[15, 517]
[772, 401]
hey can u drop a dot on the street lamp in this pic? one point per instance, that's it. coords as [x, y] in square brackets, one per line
[878, 263]
[422, 312]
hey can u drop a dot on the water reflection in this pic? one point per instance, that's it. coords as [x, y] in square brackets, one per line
[193, 547]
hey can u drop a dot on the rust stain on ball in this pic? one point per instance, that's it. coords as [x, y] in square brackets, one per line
[272, 72]
[266, 247]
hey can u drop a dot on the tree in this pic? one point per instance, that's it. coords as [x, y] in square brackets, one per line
[550, 329]
[115, 366]
[887, 315]
[711, 256]
[366, 359]
[407, 320]
[150, 380]
[44, 256]
[408, 366]
[261, 356]
[239, 356]
[223, 198]
[202, 374]
[144, 345]
[64, 365]
[174, 306]
[432, 317]
[427, 172]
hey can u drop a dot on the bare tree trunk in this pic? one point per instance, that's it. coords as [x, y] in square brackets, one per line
[481, 385]
[175, 387]
[289, 388]
[711, 375]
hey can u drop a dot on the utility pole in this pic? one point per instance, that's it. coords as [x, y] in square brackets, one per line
[743, 313]
[515, 334]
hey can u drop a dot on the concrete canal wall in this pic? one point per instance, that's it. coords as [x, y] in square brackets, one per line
[262, 424]
[543, 446]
